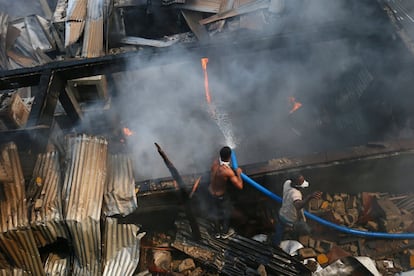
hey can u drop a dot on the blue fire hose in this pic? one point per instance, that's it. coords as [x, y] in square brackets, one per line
[380, 235]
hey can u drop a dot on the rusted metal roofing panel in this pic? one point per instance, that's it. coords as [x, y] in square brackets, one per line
[59, 16]
[122, 248]
[44, 194]
[20, 246]
[236, 255]
[13, 272]
[13, 204]
[4, 176]
[56, 265]
[75, 20]
[119, 195]
[93, 38]
[16, 238]
[83, 196]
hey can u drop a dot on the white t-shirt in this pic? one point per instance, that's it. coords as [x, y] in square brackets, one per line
[288, 209]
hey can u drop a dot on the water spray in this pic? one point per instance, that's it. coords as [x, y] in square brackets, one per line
[222, 120]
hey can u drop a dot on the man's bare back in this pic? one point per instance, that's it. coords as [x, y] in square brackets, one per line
[221, 175]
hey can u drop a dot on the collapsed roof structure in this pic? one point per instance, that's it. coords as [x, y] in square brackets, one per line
[93, 81]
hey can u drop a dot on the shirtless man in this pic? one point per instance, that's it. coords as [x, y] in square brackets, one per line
[222, 175]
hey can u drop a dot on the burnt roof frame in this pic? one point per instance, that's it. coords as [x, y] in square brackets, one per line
[51, 78]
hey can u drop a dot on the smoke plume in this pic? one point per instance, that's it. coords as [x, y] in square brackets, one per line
[336, 80]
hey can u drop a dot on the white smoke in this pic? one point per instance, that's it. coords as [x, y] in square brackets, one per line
[249, 91]
[20, 8]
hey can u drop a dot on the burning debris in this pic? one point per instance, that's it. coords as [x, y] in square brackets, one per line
[295, 105]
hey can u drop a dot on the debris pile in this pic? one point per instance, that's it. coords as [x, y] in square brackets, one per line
[14, 110]
[87, 29]
[51, 223]
[371, 212]
[236, 255]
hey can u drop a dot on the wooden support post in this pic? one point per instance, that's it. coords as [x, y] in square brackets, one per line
[71, 105]
[46, 96]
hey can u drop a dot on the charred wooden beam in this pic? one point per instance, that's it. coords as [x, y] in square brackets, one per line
[184, 195]
[71, 106]
[46, 94]
[46, 97]
[192, 18]
[27, 138]
[72, 69]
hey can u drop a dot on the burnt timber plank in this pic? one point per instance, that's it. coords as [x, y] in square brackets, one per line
[25, 138]
[71, 106]
[46, 95]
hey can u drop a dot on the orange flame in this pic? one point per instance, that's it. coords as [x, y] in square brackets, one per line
[204, 62]
[295, 105]
[127, 131]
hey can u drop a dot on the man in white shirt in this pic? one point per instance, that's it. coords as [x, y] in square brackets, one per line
[291, 213]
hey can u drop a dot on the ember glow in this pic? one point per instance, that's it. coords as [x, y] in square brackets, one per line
[295, 105]
[127, 131]
[204, 62]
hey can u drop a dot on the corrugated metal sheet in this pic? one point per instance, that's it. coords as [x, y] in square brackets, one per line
[236, 255]
[401, 13]
[93, 38]
[83, 196]
[59, 16]
[347, 102]
[16, 239]
[122, 248]
[404, 13]
[75, 20]
[119, 195]
[405, 202]
[44, 194]
[13, 272]
[56, 265]
[355, 85]
[13, 201]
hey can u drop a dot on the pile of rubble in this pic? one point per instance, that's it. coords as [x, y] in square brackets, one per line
[180, 254]
[63, 205]
[93, 28]
[369, 212]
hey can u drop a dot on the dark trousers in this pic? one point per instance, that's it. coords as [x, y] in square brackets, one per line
[293, 231]
[220, 213]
